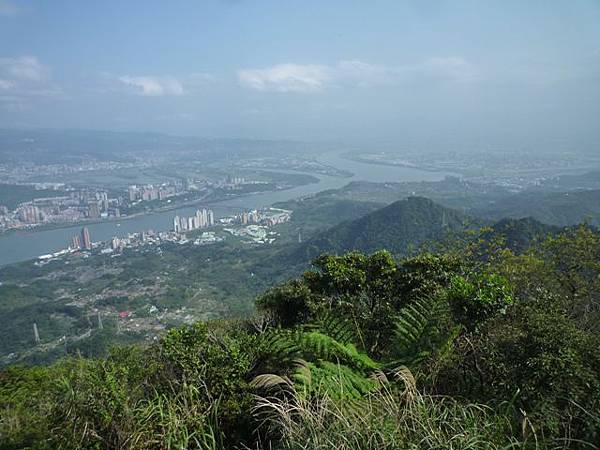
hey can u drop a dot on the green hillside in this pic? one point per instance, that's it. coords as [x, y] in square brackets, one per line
[456, 349]
[399, 227]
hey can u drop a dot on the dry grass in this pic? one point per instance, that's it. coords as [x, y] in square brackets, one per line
[388, 419]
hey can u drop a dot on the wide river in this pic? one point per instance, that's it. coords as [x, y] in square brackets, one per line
[25, 245]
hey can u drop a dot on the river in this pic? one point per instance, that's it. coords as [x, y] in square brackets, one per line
[25, 245]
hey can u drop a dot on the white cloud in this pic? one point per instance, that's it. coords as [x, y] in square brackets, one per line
[23, 68]
[23, 78]
[152, 85]
[354, 73]
[286, 78]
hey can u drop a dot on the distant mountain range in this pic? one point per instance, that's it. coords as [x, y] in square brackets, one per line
[555, 208]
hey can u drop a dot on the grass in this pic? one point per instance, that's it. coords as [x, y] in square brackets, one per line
[386, 419]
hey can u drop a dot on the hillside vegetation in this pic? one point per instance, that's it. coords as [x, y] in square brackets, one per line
[473, 346]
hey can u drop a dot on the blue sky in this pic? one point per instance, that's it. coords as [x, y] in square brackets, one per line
[334, 70]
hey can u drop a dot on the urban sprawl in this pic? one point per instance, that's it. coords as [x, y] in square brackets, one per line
[91, 204]
[255, 226]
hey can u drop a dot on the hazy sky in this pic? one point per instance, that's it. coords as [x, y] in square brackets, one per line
[306, 69]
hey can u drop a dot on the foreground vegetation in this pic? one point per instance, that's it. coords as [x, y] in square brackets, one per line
[471, 345]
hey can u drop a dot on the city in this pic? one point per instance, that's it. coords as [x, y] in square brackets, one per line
[75, 205]
[254, 225]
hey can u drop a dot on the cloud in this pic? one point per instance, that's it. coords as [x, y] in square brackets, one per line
[23, 68]
[23, 78]
[156, 86]
[355, 73]
[153, 86]
[286, 78]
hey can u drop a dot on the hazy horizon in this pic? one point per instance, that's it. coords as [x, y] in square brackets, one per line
[311, 71]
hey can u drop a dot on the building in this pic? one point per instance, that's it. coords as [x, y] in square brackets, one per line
[115, 243]
[133, 193]
[75, 242]
[94, 211]
[201, 219]
[86, 241]
[29, 214]
[103, 198]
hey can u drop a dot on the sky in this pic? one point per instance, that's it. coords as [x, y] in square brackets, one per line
[309, 69]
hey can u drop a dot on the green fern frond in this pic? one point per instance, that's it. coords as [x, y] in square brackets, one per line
[335, 380]
[323, 347]
[338, 327]
[416, 330]
[280, 345]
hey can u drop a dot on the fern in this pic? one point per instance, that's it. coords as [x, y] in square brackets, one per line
[339, 328]
[316, 363]
[417, 332]
[279, 347]
[323, 347]
[334, 380]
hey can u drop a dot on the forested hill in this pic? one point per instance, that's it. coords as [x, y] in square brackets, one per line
[399, 227]
[405, 226]
[520, 234]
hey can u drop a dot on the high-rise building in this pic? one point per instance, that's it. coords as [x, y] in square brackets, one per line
[75, 242]
[104, 201]
[201, 219]
[183, 224]
[94, 210]
[29, 214]
[86, 241]
[133, 193]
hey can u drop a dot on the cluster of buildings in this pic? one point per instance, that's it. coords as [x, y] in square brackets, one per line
[227, 183]
[78, 205]
[256, 229]
[268, 217]
[81, 241]
[150, 192]
[149, 237]
[94, 204]
[202, 219]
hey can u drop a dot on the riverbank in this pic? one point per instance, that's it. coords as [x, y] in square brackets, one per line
[206, 200]
[22, 246]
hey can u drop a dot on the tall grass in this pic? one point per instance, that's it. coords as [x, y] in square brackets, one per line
[387, 419]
